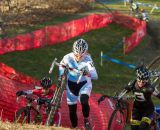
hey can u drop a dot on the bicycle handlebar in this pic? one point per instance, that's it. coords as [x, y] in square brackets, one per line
[117, 98]
[29, 99]
[58, 64]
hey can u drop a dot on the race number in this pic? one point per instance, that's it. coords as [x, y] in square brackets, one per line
[139, 96]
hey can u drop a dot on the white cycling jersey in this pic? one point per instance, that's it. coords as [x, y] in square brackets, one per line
[74, 89]
[85, 62]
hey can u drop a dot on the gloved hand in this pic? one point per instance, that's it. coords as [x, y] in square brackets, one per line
[101, 99]
[85, 71]
[128, 88]
[19, 93]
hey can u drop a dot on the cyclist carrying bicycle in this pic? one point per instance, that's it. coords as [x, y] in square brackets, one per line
[82, 61]
[143, 106]
[45, 94]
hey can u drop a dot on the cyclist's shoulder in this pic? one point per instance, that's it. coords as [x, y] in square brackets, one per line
[68, 56]
[131, 82]
[87, 57]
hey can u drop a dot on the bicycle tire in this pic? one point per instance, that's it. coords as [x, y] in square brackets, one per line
[117, 117]
[154, 65]
[21, 116]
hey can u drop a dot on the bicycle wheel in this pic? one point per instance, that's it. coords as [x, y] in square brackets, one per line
[154, 67]
[117, 120]
[27, 115]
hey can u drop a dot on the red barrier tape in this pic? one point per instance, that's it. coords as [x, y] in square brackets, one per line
[135, 24]
[50, 35]
[135, 38]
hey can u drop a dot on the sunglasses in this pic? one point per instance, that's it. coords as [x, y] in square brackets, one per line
[142, 81]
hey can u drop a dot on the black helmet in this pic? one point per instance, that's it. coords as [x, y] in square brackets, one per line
[46, 82]
[142, 73]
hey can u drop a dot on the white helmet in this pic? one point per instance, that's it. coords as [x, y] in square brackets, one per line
[80, 47]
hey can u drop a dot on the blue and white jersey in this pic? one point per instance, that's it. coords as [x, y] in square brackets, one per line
[85, 62]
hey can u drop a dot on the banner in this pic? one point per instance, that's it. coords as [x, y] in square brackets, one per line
[51, 35]
[132, 41]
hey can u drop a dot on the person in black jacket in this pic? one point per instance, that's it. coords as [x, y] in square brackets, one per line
[143, 106]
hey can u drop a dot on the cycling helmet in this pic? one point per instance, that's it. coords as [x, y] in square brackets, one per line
[46, 82]
[142, 73]
[80, 47]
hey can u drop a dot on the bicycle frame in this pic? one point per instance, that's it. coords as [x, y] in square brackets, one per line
[26, 110]
[56, 100]
[120, 114]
